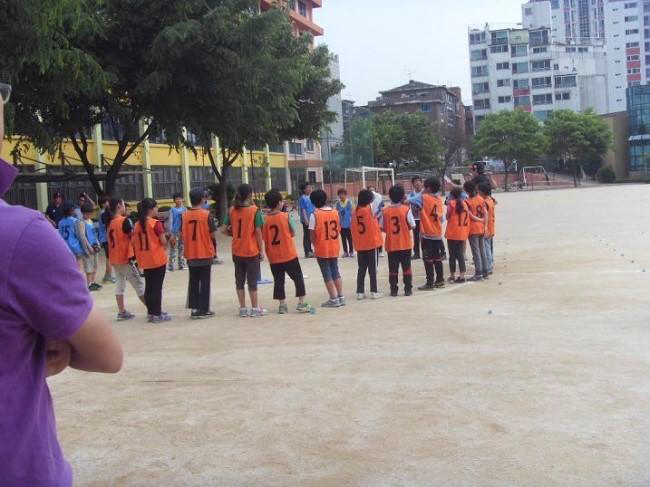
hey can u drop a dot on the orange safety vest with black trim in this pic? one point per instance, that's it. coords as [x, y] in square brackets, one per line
[242, 223]
[149, 252]
[326, 234]
[197, 239]
[397, 228]
[477, 208]
[457, 223]
[491, 223]
[278, 239]
[433, 210]
[366, 234]
[120, 250]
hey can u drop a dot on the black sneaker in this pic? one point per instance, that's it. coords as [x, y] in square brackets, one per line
[408, 293]
[201, 315]
[460, 280]
[426, 287]
[393, 294]
[475, 278]
[439, 285]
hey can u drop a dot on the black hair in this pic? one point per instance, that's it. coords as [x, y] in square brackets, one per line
[318, 197]
[177, 195]
[456, 194]
[273, 198]
[102, 200]
[82, 195]
[196, 196]
[87, 208]
[67, 208]
[415, 178]
[143, 208]
[242, 194]
[479, 167]
[396, 193]
[342, 191]
[365, 197]
[432, 184]
[303, 187]
[112, 207]
[470, 188]
[485, 188]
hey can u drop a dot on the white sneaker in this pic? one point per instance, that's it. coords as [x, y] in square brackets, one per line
[258, 312]
[244, 313]
[377, 295]
[361, 296]
[342, 301]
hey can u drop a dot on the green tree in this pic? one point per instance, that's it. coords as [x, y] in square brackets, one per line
[510, 136]
[579, 140]
[405, 139]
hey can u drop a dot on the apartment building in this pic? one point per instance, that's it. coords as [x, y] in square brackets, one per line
[526, 68]
[441, 105]
[571, 21]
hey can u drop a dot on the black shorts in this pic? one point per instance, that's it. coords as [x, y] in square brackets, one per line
[247, 271]
[105, 247]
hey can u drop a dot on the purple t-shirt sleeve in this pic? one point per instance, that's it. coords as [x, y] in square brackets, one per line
[46, 288]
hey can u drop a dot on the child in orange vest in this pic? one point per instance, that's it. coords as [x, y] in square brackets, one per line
[244, 224]
[150, 244]
[324, 229]
[398, 222]
[366, 236]
[485, 191]
[197, 231]
[281, 252]
[477, 213]
[457, 233]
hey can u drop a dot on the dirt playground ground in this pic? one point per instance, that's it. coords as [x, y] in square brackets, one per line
[539, 377]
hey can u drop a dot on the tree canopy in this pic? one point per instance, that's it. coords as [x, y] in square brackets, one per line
[405, 139]
[578, 140]
[510, 136]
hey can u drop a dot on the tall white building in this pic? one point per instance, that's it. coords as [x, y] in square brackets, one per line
[571, 21]
[526, 68]
[627, 40]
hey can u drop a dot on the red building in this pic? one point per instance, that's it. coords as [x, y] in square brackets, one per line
[300, 13]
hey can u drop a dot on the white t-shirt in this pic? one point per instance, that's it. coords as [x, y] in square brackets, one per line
[312, 218]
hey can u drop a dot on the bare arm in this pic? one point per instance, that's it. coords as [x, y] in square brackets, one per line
[94, 347]
[81, 232]
[260, 242]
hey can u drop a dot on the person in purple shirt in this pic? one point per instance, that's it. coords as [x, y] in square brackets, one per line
[47, 323]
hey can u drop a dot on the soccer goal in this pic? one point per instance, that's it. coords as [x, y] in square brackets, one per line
[358, 178]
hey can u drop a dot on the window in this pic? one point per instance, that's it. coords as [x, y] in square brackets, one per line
[201, 176]
[563, 96]
[565, 81]
[630, 45]
[302, 8]
[279, 178]
[520, 84]
[632, 18]
[503, 82]
[500, 48]
[425, 107]
[633, 71]
[499, 37]
[482, 104]
[478, 55]
[519, 50]
[544, 65]
[542, 115]
[310, 144]
[166, 181]
[295, 148]
[519, 67]
[539, 50]
[479, 71]
[630, 5]
[631, 32]
[539, 38]
[545, 82]
[569, 49]
[545, 99]
[505, 99]
[501, 66]
[633, 58]
[522, 101]
[583, 49]
[477, 38]
[556, 67]
[478, 88]
[528, 11]
[130, 187]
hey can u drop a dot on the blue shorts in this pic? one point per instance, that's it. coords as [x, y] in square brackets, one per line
[329, 268]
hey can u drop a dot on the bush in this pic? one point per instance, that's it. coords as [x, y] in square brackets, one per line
[606, 175]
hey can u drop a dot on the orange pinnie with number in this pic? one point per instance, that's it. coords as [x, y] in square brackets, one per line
[477, 208]
[120, 250]
[457, 223]
[366, 234]
[196, 234]
[278, 238]
[148, 249]
[397, 228]
[491, 222]
[326, 233]
[433, 209]
[242, 222]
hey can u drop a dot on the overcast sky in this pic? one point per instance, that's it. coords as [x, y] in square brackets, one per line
[380, 41]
